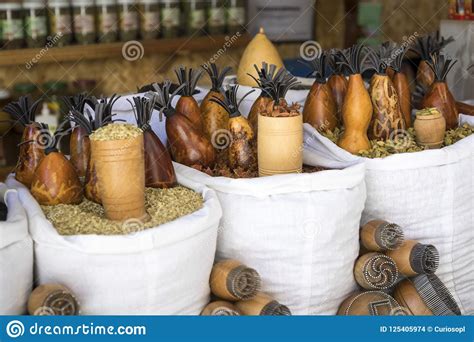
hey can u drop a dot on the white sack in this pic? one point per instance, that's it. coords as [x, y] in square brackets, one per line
[159, 271]
[429, 193]
[299, 231]
[16, 256]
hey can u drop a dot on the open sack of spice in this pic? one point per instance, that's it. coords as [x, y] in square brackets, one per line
[420, 176]
[286, 225]
[93, 232]
[16, 256]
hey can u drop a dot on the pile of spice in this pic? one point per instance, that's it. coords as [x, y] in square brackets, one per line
[163, 205]
[404, 142]
[118, 131]
[222, 169]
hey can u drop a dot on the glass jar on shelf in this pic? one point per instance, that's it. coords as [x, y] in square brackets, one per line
[216, 17]
[149, 18]
[36, 23]
[11, 25]
[107, 21]
[194, 17]
[84, 21]
[236, 15]
[170, 18]
[129, 23]
[60, 22]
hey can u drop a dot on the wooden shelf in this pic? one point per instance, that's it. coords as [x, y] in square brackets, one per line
[114, 50]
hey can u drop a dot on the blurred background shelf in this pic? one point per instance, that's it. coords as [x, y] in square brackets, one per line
[114, 50]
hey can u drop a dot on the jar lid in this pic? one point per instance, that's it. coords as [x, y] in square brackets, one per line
[24, 88]
[12, 5]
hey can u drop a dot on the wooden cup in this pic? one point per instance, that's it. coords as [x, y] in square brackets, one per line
[430, 129]
[280, 145]
[120, 167]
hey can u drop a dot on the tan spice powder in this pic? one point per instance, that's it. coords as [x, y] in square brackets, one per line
[116, 131]
[163, 205]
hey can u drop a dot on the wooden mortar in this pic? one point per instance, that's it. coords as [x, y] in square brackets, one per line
[430, 128]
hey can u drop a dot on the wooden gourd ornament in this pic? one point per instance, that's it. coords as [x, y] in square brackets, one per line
[380, 235]
[387, 118]
[23, 112]
[220, 308]
[239, 149]
[91, 123]
[425, 46]
[337, 82]
[159, 170]
[187, 144]
[79, 140]
[439, 95]
[320, 109]
[55, 180]
[187, 104]
[414, 258]
[401, 84]
[357, 109]
[267, 82]
[214, 118]
[233, 281]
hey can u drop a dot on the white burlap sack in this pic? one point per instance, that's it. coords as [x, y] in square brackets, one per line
[159, 271]
[299, 231]
[16, 256]
[430, 194]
